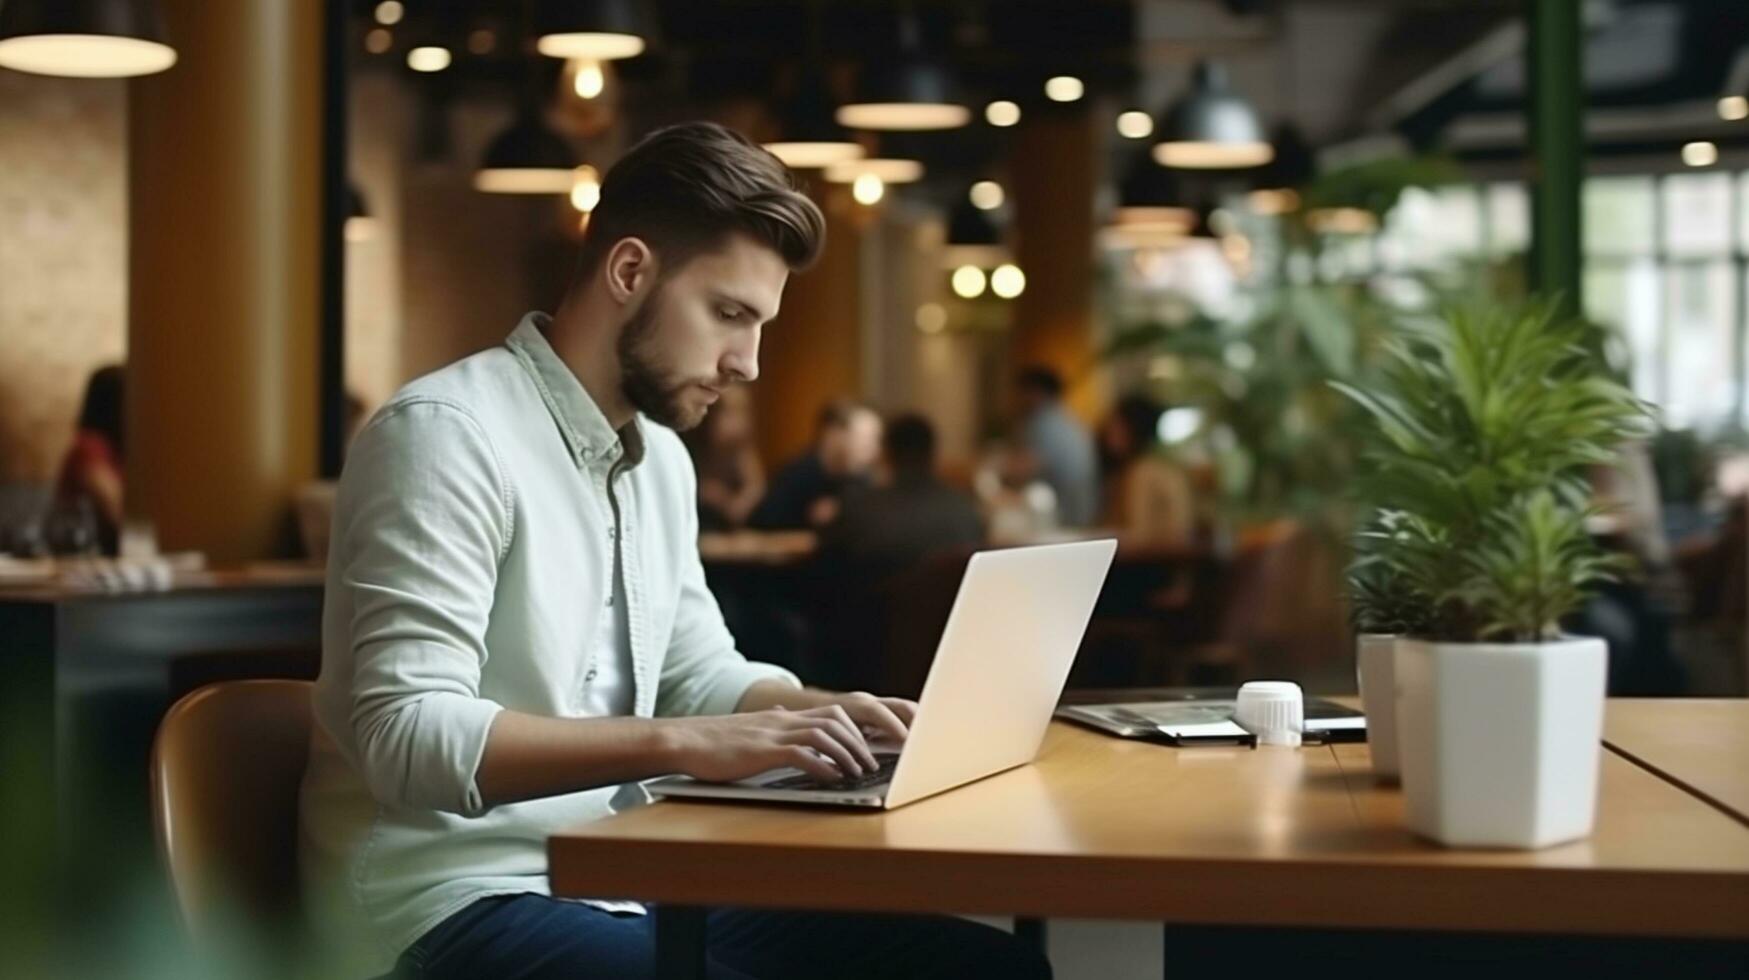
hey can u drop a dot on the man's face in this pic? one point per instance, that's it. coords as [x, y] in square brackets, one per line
[853, 448]
[697, 331]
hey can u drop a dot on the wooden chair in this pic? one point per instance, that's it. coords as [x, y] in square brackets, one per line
[226, 767]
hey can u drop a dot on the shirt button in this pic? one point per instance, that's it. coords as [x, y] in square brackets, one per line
[590, 677]
[610, 602]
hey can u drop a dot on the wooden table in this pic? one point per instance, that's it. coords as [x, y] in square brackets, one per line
[1699, 745]
[1111, 829]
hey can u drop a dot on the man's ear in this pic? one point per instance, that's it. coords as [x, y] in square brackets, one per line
[630, 266]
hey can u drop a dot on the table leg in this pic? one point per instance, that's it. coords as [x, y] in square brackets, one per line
[1031, 932]
[680, 942]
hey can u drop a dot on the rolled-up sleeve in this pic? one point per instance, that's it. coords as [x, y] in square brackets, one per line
[702, 672]
[423, 520]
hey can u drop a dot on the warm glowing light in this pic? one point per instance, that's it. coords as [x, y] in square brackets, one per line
[1135, 125]
[585, 189]
[903, 115]
[389, 12]
[359, 228]
[868, 189]
[889, 170]
[1198, 155]
[1274, 200]
[428, 59]
[808, 156]
[931, 318]
[482, 40]
[378, 40]
[968, 282]
[1008, 281]
[986, 195]
[1064, 88]
[1002, 113]
[1343, 221]
[1700, 153]
[590, 80]
[1734, 107]
[591, 46]
[85, 55]
[525, 180]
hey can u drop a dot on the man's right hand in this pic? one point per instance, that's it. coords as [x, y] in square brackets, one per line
[822, 742]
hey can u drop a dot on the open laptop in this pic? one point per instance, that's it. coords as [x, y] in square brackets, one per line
[1001, 665]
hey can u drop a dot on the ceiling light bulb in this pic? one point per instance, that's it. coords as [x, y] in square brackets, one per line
[1135, 125]
[1002, 113]
[1064, 88]
[1700, 153]
[428, 59]
[388, 13]
[590, 80]
[867, 189]
[986, 195]
[586, 191]
[968, 282]
[1007, 281]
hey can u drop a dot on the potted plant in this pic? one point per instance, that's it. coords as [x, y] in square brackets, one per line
[1489, 420]
[1383, 604]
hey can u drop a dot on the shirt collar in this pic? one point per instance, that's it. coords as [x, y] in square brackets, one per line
[589, 437]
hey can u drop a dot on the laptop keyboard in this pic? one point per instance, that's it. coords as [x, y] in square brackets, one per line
[887, 761]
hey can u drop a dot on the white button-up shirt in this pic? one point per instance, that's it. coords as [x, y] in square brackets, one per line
[479, 522]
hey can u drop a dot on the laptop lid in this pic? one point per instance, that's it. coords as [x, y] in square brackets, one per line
[1000, 667]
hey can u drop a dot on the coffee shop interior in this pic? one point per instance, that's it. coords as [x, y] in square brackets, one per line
[1253, 287]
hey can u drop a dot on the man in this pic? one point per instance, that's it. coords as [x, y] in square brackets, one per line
[886, 529]
[809, 489]
[1059, 448]
[516, 627]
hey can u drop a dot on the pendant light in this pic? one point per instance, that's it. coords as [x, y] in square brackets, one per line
[910, 92]
[1275, 189]
[527, 158]
[1211, 127]
[591, 30]
[1151, 198]
[84, 38]
[811, 137]
[972, 237]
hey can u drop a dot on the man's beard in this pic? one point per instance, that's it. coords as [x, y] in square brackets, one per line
[648, 384]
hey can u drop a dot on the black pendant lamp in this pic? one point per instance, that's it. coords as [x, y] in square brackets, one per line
[527, 158]
[972, 237]
[592, 30]
[1211, 127]
[84, 38]
[1275, 188]
[1151, 198]
[910, 92]
[811, 137]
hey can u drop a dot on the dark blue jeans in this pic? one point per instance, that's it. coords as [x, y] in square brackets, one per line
[533, 937]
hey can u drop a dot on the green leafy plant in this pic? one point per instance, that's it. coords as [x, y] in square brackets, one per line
[1487, 420]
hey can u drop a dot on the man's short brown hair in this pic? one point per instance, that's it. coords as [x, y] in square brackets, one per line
[684, 189]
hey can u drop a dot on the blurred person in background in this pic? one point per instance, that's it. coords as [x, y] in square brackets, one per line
[88, 492]
[1147, 495]
[808, 490]
[1059, 448]
[731, 476]
[911, 513]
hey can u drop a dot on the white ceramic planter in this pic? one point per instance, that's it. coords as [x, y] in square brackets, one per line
[1375, 660]
[1499, 744]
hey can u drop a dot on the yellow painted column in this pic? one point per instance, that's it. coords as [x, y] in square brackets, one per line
[224, 276]
[812, 352]
[1053, 170]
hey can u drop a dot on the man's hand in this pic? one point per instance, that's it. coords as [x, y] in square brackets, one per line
[823, 742]
[876, 717]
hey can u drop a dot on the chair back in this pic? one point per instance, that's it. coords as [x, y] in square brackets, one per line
[226, 767]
